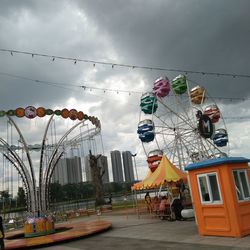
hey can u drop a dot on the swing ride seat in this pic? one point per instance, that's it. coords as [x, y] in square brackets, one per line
[166, 214]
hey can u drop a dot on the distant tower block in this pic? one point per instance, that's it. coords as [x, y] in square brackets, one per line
[116, 166]
[128, 166]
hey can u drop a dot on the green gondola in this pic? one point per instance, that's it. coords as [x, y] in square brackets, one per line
[179, 84]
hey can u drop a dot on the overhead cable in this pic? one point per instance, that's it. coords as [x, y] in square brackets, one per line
[113, 65]
[70, 86]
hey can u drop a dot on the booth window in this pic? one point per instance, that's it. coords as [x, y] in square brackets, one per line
[209, 188]
[241, 184]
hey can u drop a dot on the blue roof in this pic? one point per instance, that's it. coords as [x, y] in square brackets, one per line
[216, 161]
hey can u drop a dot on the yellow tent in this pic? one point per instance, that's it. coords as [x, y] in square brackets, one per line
[166, 172]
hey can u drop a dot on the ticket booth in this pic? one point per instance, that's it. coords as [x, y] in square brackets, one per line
[221, 196]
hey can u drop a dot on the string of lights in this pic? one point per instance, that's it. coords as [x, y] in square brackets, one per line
[70, 86]
[111, 90]
[94, 63]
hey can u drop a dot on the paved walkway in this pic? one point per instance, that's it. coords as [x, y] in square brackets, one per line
[129, 232]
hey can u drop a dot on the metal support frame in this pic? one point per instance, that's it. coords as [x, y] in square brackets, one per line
[38, 200]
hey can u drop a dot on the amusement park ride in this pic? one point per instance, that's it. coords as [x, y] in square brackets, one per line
[17, 153]
[187, 127]
[182, 123]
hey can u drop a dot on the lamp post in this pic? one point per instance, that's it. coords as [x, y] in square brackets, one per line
[134, 155]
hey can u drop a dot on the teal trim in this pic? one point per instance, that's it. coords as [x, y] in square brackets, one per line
[217, 161]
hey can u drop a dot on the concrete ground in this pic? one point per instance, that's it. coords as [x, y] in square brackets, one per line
[146, 232]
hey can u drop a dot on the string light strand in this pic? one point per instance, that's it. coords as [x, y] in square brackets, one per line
[70, 86]
[113, 65]
[111, 90]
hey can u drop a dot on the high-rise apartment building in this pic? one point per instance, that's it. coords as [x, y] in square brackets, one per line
[128, 166]
[60, 173]
[116, 166]
[74, 168]
[68, 170]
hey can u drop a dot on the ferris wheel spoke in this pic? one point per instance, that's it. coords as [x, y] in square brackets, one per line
[176, 115]
[182, 122]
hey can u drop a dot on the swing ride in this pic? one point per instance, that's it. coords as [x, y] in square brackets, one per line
[78, 136]
[182, 123]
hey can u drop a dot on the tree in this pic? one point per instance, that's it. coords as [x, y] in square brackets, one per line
[56, 192]
[86, 190]
[21, 199]
[5, 194]
[70, 191]
[97, 172]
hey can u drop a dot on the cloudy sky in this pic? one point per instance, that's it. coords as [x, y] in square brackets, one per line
[190, 35]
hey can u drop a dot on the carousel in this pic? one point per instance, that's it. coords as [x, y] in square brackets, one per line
[17, 155]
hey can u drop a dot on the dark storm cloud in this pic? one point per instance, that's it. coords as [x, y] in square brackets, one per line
[192, 35]
[58, 30]
[182, 34]
[211, 36]
[16, 8]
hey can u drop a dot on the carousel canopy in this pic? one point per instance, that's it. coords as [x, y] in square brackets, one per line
[166, 172]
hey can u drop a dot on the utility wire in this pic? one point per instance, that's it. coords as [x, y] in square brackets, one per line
[75, 60]
[55, 84]
[67, 85]
[113, 90]
[85, 87]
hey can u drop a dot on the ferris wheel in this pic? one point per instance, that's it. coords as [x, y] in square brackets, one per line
[181, 122]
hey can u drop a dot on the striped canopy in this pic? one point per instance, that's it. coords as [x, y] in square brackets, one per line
[166, 172]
